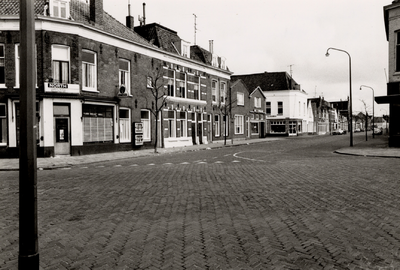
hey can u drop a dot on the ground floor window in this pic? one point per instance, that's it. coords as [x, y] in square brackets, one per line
[278, 127]
[292, 126]
[216, 125]
[97, 123]
[124, 125]
[225, 125]
[17, 112]
[254, 127]
[239, 122]
[145, 118]
[3, 125]
[181, 124]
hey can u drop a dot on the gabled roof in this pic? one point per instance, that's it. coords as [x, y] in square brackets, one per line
[269, 81]
[79, 11]
[160, 36]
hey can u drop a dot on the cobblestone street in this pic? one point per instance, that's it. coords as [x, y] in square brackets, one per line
[289, 204]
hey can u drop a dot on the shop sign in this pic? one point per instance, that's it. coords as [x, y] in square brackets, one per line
[61, 88]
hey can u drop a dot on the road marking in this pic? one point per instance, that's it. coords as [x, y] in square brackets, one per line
[167, 164]
[251, 159]
[117, 165]
[218, 162]
[151, 164]
[236, 161]
[133, 165]
[185, 163]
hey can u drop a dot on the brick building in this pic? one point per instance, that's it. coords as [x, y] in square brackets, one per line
[93, 81]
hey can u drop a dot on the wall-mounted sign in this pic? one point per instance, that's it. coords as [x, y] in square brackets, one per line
[61, 88]
[138, 139]
[138, 127]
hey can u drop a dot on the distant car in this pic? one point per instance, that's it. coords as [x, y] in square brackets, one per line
[338, 132]
[357, 130]
[377, 131]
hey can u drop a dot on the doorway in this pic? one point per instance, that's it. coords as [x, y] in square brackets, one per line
[62, 140]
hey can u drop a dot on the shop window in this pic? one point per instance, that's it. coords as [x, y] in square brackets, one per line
[3, 125]
[124, 125]
[254, 128]
[89, 71]
[239, 120]
[145, 118]
[98, 125]
[61, 60]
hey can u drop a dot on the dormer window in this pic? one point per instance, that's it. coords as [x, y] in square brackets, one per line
[59, 8]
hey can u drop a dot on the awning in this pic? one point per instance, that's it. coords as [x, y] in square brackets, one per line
[388, 99]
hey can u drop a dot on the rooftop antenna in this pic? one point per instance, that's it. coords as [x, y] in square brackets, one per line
[291, 72]
[195, 28]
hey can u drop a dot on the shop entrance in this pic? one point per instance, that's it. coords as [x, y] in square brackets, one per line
[62, 140]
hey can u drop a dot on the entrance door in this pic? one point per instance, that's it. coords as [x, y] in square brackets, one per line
[262, 129]
[62, 138]
[200, 132]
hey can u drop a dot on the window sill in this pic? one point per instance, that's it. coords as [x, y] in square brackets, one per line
[2, 85]
[90, 90]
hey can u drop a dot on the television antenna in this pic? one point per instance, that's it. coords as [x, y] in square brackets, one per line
[195, 28]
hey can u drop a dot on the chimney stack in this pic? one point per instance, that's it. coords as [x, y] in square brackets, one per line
[211, 42]
[144, 13]
[129, 18]
[96, 12]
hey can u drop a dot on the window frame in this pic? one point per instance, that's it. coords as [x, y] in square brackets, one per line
[240, 101]
[268, 107]
[280, 108]
[59, 7]
[127, 128]
[397, 52]
[217, 124]
[214, 91]
[3, 119]
[257, 102]
[222, 91]
[127, 76]
[239, 123]
[94, 65]
[148, 120]
[3, 64]
[60, 61]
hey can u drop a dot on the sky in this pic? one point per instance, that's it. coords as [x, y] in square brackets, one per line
[285, 35]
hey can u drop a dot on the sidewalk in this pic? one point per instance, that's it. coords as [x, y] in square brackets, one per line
[58, 162]
[374, 147]
[377, 147]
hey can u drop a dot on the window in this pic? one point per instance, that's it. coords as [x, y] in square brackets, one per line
[223, 92]
[254, 128]
[60, 56]
[2, 65]
[17, 113]
[217, 125]
[280, 107]
[60, 8]
[240, 99]
[214, 91]
[268, 107]
[278, 127]
[239, 124]
[257, 102]
[97, 123]
[17, 64]
[124, 76]
[181, 129]
[89, 71]
[145, 118]
[124, 125]
[398, 52]
[225, 125]
[3, 125]
[149, 82]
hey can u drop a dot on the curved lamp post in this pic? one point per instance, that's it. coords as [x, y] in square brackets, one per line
[373, 110]
[350, 98]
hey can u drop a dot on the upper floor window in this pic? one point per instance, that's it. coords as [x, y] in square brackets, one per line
[124, 76]
[268, 107]
[280, 107]
[2, 65]
[214, 91]
[257, 102]
[149, 82]
[17, 64]
[223, 92]
[240, 98]
[398, 51]
[60, 56]
[59, 8]
[89, 71]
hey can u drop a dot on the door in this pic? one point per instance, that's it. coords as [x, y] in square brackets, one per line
[262, 130]
[62, 144]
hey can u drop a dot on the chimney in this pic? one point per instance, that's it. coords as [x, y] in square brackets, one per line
[129, 18]
[211, 42]
[96, 12]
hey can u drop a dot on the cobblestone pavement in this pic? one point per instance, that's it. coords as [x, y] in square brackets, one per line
[291, 204]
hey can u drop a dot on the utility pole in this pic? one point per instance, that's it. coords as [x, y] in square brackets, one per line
[28, 257]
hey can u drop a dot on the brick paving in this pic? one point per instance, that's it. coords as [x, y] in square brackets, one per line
[295, 207]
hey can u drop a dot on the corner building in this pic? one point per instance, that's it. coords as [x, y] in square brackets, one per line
[92, 83]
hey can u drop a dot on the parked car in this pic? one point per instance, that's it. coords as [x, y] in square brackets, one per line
[357, 130]
[378, 131]
[338, 132]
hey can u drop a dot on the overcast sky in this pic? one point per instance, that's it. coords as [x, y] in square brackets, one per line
[271, 35]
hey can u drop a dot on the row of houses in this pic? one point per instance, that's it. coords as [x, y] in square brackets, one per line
[104, 86]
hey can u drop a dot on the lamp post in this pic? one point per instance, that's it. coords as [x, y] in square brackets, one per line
[350, 98]
[373, 110]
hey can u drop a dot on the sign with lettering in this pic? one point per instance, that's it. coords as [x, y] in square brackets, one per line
[51, 87]
[138, 139]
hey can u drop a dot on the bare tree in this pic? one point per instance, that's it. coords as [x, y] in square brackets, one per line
[156, 85]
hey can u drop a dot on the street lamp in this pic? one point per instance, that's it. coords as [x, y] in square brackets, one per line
[350, 98]
[373, 110]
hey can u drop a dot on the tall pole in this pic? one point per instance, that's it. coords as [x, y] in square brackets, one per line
[350, 96]
[373, 108]
[28, 257]
[195, 28]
